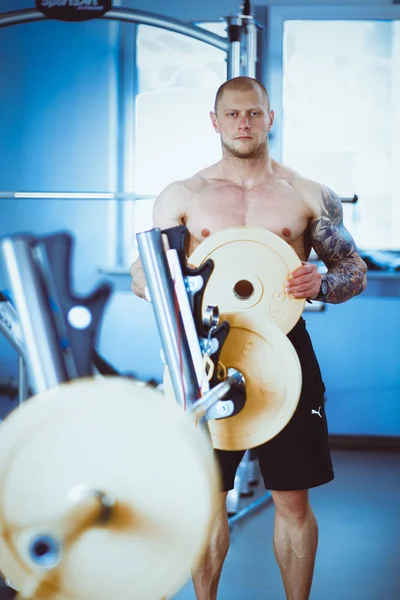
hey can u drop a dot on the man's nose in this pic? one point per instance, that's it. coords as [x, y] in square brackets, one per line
[244, 123]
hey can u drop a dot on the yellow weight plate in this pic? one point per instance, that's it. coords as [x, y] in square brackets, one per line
[120, 438]
[272, 371]
[251, 267]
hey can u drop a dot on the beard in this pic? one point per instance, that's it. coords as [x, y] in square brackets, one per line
[257, 151]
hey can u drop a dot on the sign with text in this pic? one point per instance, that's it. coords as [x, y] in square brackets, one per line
[74, 10]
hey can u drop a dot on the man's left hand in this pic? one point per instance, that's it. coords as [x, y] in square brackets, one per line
[304, 282]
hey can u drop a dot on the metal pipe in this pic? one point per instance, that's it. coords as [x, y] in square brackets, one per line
[44, 358]
[10, 326]
[74, 195]
[170, 327]
[233, 60]
[234, 49]
[21, 16]
[349, 199]
[208, 401]
[145, 18]
[132, 16]
[121, 230]
[22, 380]
[105, 196]
[211, 405]
[249, 63]
[187, 318]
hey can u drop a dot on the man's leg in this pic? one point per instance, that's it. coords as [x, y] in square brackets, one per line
[295, 542]
[207, 575]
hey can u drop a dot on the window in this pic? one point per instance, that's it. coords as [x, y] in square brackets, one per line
[177, 80]
[217, 27]
[341, 124]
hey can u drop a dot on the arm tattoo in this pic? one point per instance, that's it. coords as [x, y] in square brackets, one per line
[337, 249]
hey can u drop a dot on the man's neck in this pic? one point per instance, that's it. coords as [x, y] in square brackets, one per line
[246, 172]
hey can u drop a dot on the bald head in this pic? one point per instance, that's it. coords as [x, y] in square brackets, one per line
[241, 84]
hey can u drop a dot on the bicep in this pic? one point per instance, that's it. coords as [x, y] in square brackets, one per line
[329, 237]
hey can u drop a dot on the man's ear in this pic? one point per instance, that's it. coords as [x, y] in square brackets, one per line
[271, 119]
[214, 122]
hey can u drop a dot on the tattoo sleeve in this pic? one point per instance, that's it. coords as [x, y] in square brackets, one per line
[337, 249]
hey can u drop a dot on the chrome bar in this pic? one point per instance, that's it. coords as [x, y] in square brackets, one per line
[44, 358]
[209, 400]
[170, 327]
[10, 326]
[21, 16]
[145, 18]
[22, 380]
[4, 194]
[249, 60]
[234, 50]
[187, 318]
[234, 60]
[132, 16]
[349, 199]
[314, 307]
[9, 195]
[211, 406]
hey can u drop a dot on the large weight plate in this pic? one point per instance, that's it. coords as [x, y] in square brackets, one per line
[115, 436]
[272, 371]
[251, 267]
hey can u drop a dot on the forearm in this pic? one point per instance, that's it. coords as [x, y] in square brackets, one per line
[345, 280]
[346, 276]
[138, 279]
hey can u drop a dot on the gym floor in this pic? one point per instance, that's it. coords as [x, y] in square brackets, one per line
[359, 531]
[359, 550]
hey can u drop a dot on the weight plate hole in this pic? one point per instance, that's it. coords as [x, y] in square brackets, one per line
[243, 290]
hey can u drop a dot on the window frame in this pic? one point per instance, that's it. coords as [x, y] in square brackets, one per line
[273, 69]
[273, 65]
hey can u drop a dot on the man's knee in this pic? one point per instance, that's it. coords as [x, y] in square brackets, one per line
[293, 506]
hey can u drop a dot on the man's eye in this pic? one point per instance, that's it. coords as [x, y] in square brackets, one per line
[232, 114]
[255, 114]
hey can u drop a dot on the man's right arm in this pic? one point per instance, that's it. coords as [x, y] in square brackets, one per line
[169, 211]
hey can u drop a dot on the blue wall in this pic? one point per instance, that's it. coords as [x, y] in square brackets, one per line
[58, 113]
[58, 106]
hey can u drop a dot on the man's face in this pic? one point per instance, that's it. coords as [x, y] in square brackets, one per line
[243, 121]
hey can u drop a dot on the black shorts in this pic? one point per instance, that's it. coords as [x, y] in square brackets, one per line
[298, 458]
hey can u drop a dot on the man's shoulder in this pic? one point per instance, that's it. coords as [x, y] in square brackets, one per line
[320, 197]
[319, 192]
[202, 178]
[190, 185]
[309, 190]
[300, 182]
[177, 190]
